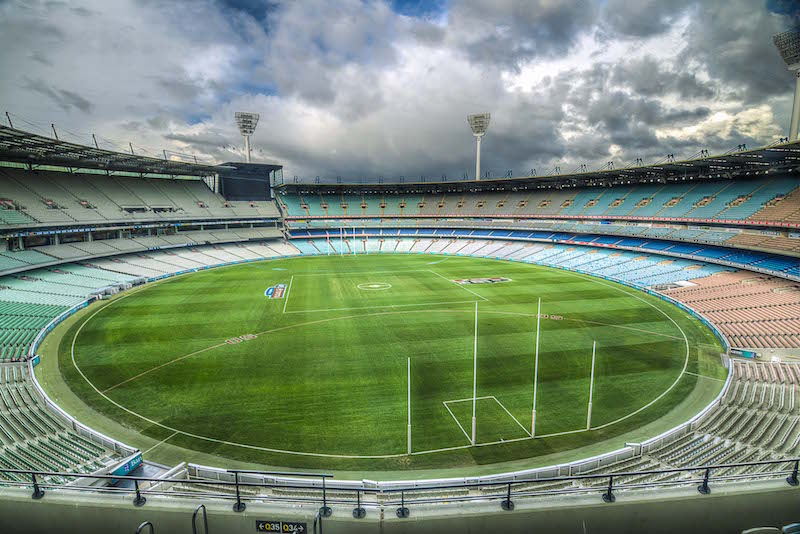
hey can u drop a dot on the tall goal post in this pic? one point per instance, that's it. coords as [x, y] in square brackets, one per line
[475, 379]
[409, 405]
[536, 369]
[591, 388]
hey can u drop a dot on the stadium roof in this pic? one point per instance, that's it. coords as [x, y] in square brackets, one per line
[24, 147]
[779, 157]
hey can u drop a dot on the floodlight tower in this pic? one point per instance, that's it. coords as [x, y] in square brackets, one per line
[479, 124]
[247, 125]
[788, 44]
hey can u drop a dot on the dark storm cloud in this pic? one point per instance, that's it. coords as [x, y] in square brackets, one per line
[312, 42]
[733, 41]
[508, 33]
[642, 18]
[181, 88]
[63, 98]
[649, 77]
[257, 9]
[40, 58]
[379, 87]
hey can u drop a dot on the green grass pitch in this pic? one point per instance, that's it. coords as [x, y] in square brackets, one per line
[324, 382]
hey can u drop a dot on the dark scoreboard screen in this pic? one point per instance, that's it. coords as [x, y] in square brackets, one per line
[247, 181]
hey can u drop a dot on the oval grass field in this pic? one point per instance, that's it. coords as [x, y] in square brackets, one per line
[317, 375]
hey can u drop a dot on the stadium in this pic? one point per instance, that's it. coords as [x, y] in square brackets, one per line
[217, 346]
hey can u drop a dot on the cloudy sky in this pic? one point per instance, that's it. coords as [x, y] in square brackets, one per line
[363, 88]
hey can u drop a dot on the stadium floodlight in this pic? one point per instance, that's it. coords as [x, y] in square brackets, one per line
[247, 123]
[479, 124]
[788, 44]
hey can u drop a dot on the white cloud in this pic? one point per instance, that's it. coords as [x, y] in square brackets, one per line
[354, 88]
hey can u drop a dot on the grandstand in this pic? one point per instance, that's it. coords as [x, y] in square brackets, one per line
[725, 249]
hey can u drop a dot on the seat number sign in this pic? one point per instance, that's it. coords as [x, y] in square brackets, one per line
[288, 527]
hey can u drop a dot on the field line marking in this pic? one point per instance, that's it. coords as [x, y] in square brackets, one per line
[286, 297]
[564, 433]
[160, 442]
[457, 284]
[318, 273]
[609, 325]
[317, 321]
[469, 399]
[642, 330]
[443, 449]
[157, 367]
[456, 420]
[685, 362]
[498, 442]
[383, 306]
[485, 444]
[226, 442]
[589, 277]
[197, 436]
[704, 376]
[511, 415]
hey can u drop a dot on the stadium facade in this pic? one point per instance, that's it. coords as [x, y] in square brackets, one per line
[718, 236]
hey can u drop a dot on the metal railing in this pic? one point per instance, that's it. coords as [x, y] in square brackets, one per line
[205, 519]
[603, 484]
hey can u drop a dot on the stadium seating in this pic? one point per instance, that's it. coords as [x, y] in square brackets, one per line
[753, 311]
[782, 208]
[31, 300]
[33, 438]
[54, 198]
[724, 200]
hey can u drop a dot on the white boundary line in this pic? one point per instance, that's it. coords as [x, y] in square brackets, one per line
[286, 297]
[324, 455]
[319, 273]
[685, 362]
[485, 397]
[511, 415]
[160, 442]
[157, 367]
[599, 323]
[456, 420]
[457, 284]
[384, 306]
[469, 399]
[704, 376]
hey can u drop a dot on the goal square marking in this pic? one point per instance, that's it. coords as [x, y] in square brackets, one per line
[511, 431]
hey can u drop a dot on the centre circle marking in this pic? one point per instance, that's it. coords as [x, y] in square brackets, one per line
[329, 455]
[374, 286]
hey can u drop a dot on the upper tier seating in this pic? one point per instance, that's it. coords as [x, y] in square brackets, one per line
[26, 259]
[782, 209]
[716, 200]
[54, 198]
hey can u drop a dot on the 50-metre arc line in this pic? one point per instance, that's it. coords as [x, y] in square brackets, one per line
[352, 456]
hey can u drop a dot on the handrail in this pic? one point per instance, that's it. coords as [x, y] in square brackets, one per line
[500, 478]
[701, 474]
[145, 524]
[205, 519]
[318, 520]
[279, 473]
